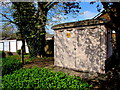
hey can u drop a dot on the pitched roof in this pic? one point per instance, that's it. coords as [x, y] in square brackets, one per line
[103, 16]
[88, 22]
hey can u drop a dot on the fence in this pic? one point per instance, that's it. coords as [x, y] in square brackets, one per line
[14, 45]
[11, 45]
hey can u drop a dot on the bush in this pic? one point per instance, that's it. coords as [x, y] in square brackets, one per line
[9, 53]
[9, 65]
[19, 52]
[2, 54]
[42, 78]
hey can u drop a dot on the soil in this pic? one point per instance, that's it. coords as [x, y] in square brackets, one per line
[108, 81]
[39, 62]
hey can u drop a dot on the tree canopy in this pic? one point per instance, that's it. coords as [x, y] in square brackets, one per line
[31, 21]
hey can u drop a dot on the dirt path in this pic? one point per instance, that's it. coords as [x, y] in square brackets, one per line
[39, 62]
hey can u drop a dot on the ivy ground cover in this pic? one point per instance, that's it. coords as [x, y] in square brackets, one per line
[42, 78]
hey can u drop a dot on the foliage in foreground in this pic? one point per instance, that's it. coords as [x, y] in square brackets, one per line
[9, 53]
[42, 78]
[10, 64]
[19, 52]
[2, 54]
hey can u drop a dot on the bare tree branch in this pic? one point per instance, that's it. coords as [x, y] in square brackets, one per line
[8, 18]
[48, 4]
[52, 4]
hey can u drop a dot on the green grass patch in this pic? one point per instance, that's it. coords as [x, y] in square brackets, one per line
[14, 57]
[30, 59]
[46, 58]
[42, 78]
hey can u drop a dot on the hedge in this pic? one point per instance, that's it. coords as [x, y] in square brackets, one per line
[10, 64]
[2, 54]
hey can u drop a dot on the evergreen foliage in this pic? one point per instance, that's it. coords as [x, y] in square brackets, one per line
[41, 78]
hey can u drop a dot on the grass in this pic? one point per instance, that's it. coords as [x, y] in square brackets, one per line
[29, 59]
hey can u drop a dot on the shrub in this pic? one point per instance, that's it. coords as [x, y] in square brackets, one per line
[10, 64]
[2, 54]
[42, 78]
[9, 53]
[19, 51]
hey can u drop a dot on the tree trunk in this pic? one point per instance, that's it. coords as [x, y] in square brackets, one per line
[114, 14]
[118, 45]
[31, 42]
[42, 17]
[36, 45]
[23, 51]
[41, 51]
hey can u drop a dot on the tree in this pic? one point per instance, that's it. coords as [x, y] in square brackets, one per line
[36, 37]
[24, 19]
[43, 8]
[113, 9]
[8, 31]
[34, 31]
